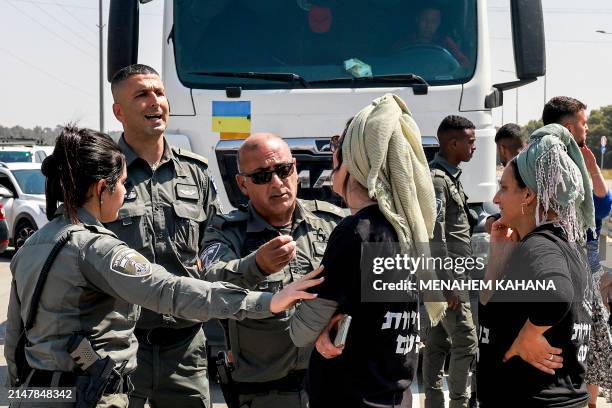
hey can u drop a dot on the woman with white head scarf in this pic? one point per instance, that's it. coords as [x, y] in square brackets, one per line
[533, 342]
[381, 172]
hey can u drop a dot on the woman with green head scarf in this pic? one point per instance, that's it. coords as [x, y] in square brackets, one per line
[381, 172]
[534, 329]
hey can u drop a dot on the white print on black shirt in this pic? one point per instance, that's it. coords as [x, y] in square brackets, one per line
[483, 337]
[405, 344]
[581, 333]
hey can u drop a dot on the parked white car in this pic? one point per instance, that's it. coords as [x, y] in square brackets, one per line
[10, 153]
[22, 192]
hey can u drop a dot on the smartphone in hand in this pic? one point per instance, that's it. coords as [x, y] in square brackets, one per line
[343, 327]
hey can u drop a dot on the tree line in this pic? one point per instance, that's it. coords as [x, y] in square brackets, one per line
[44, 136]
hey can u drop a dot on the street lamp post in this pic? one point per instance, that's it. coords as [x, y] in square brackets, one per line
[545, 75]
[101, 61]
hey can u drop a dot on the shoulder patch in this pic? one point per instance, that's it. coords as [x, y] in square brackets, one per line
[438, 207]
[129, 262]
[189, 154]
[324, 206]
[209, 253]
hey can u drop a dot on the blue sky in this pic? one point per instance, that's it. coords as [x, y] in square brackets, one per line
[49, 58]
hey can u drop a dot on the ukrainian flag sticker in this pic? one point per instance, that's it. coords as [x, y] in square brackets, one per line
[231, 118]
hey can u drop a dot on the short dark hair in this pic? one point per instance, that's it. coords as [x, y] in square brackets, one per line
[561, 108]
[126, 72]
[512, 134]
[80, 158]
[454, 122]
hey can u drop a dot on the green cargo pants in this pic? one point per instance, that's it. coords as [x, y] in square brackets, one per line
[457, 335]
[172, 376]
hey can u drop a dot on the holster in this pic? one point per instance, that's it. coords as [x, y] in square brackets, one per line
[224, 376]
[23, 368]
[90, 388]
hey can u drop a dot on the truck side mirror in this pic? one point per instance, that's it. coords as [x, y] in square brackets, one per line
[122, 35]
[6, 193]
[529, 48]
[528, 38]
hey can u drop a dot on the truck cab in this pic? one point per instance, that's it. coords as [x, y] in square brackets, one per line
[301, 68]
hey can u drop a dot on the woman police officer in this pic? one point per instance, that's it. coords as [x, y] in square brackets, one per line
[96, 282]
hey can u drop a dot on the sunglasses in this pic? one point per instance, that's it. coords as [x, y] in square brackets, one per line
[334, 143]
[282, 170]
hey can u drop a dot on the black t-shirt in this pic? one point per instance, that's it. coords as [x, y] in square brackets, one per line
[542, 255]
[379, 360]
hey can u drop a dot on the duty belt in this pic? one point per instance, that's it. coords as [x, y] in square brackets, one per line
[165, 336]
[44, 378]
[293, 382]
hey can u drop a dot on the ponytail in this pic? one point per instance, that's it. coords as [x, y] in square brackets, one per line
[81, 158]
[53, 189]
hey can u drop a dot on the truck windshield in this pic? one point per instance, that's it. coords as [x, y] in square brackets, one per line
[322, 42]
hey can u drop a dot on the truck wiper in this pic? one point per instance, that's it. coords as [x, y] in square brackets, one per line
[269, 76]
[418, 83]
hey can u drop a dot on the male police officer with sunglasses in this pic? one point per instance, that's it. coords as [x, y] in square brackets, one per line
[272, 242]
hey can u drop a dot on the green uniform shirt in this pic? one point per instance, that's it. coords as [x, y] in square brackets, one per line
[93, 287]
[452, 229]
[164, 215]
[263, 350]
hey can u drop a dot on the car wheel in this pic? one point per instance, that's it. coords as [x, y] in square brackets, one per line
[24, 230]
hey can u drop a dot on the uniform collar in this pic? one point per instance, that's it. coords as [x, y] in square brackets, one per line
[257, 223]
[131, 156]
[82, 214]
[87, 218]
[450, 168]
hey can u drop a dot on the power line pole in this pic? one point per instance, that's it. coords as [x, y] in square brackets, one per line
[545, 75]
[517, 100]
[101, 31]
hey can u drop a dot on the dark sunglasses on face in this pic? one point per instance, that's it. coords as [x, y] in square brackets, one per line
[282, 170]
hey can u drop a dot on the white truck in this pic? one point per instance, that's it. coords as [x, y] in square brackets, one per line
[301, 68]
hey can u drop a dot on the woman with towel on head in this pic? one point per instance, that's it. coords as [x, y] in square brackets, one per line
[381, 172]
[533, 344]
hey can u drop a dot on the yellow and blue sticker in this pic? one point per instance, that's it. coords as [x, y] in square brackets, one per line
[232, 119]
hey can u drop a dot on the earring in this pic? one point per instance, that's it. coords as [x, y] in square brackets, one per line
[523, 208]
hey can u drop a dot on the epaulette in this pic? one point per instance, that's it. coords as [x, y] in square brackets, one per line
[97, 229]
[324, 206]
[233, 217]
[438, 173]
[189, 154]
